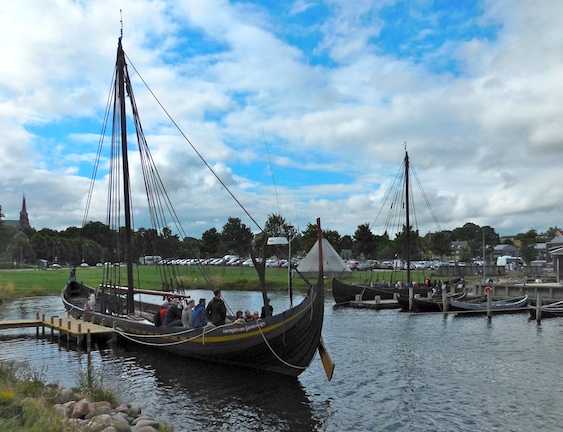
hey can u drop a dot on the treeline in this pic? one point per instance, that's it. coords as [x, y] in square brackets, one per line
[96, 242]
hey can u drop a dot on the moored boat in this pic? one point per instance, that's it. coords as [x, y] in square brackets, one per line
[428, 304]
[550, 310]
[344, 293]
[285, 343]
[507, 305]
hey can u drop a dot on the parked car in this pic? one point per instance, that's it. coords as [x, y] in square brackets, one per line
[84, 265]
[56, 266]
[352, 265]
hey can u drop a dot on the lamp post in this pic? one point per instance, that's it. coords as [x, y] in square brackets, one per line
[290, 237]
[282, 241]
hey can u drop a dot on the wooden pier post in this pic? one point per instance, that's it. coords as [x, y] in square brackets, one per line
[444, 300]
[538, 308]
[43, 326]
[68, 335]
[79, 337]
[411, 296]
[88, 341]
[489, 304]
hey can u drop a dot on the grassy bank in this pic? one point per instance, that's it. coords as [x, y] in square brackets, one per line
[27, 283]
[27, 404]
[24, 405]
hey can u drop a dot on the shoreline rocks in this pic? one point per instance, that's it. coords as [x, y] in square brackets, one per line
[83, 414]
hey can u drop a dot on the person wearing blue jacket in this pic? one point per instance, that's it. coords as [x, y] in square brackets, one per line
[199, 318]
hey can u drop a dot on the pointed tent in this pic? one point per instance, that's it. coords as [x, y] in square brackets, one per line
[334, 265]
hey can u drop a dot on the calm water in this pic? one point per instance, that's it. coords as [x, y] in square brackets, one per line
[394, 372]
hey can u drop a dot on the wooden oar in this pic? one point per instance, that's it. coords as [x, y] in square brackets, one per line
[328, 364]
[148, 292]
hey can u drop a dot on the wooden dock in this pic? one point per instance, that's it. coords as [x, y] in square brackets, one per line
[70, 327]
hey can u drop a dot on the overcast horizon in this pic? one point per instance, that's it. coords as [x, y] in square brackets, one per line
[302, 108]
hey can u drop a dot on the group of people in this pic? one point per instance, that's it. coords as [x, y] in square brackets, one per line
[192, 316]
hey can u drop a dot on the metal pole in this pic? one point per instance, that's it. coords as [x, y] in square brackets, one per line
[289, 278]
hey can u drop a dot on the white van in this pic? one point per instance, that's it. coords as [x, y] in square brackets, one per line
[507, 260]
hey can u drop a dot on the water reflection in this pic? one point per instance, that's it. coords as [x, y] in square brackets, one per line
[209, 397]
[394, 372]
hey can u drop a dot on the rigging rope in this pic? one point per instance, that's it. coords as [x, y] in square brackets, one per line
[193, 147]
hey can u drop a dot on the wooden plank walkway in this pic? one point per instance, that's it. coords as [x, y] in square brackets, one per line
[22, 323]
[67, 325]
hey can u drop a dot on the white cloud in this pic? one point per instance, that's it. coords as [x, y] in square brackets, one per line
[485, 140]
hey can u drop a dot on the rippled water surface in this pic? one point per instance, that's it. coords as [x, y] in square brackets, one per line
[394, 372]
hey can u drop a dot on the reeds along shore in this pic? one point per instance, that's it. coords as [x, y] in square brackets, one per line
[27, 404]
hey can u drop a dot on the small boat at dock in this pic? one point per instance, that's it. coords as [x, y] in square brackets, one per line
[428, 304]
[550, 310]
[506, 305]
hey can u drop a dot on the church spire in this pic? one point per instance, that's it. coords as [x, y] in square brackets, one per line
[24, 218]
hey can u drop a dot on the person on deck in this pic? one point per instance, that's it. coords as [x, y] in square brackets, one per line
[159, 316]
[173, 315]
[187, 313]
[270, 308]
[216, 310]
[239, 318]
[91, 303]
[199, 318]
[248, 316]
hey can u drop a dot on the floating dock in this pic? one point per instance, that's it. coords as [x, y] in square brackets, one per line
[375, 304]
[70, 327]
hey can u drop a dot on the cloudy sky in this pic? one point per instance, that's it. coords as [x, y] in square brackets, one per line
[303, 108]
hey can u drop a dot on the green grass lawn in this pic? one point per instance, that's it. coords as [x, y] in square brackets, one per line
[26, 283]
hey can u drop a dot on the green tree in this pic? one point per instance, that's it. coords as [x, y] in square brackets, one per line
[400, 245]
[98, 232]
[468, 232]
[236, 237]
[552, 232]
[309, 237]
[364, 242]
[210, 243]
[276, 226]
[333, 238]
[347, 242]
[383, 247]
[440, 244]
[528, 245]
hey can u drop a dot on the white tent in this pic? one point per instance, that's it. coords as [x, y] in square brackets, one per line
[333, 264]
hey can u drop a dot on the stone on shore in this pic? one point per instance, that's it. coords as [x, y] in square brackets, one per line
[84, 414]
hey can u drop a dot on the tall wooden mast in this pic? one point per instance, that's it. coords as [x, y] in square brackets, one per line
[121, 77]
[408, 228]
